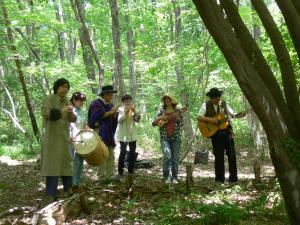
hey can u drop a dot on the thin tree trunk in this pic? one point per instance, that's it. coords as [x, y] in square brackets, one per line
[283, 58]
[188, 130]
[130, 44]
[19, 70]
[89, 40]
[118, 76]
[86, 53]
[292, 20]
[2, 96]
[60, 35]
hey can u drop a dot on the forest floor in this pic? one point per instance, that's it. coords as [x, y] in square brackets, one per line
[152, 202]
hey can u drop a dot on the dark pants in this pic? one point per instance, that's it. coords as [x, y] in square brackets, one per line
[131, 156]
[52, 183]
[223, 142]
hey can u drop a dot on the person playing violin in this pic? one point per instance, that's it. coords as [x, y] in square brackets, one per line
[126, 134]
[170, 123]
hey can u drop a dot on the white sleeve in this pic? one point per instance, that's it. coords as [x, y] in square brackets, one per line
[121, 115]
[230, 111]
[202, 110]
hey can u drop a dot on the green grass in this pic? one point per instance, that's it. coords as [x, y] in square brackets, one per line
[18, 151]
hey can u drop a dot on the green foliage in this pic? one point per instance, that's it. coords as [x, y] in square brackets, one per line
[226, 213]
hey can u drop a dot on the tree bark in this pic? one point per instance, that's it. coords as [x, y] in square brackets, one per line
[292, 20]
[89, 40]
[130, 53]
[86, 53]
[283, 58]
[261, 66]
[61, 36]
[19, 70]
[297, 6]
[265, 104]
[118, 76]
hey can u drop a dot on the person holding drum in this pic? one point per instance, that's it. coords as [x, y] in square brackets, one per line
[103, 118]
[126, 133]
[56, 161]
[77, 100]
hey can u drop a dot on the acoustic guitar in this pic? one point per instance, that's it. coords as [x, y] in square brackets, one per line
[162, 122]
[209, 129]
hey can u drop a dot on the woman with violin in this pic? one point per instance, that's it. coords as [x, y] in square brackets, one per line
[126, 134]
[170, 123]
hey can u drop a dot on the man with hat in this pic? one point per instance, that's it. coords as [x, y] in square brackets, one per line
[103, 118]
[222, 140]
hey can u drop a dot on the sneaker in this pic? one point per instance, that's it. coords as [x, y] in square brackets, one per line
[167, 180]
[175, 181]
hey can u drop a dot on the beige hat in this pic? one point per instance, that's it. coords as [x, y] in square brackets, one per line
[174, 102]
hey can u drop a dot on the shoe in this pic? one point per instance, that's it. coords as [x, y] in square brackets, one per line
[175, 181]
[167, 180]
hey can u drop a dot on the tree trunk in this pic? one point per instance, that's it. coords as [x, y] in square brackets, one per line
[61, 36]
[187, 125]
[1, 90]
[263, 95]
[86, 53]
[19, 70]
[130, 45]
[118, 76]
[79, 11]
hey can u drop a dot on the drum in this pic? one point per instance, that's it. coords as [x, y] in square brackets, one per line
[90, 147]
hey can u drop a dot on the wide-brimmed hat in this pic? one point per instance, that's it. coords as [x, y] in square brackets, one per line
[214, 92]
[174, 102]
[107, 89]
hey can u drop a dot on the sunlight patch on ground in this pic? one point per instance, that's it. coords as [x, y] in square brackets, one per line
[10, 162]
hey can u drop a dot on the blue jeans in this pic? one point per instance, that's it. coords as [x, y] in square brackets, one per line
[77, 166]
[170, 150]
[52, 183]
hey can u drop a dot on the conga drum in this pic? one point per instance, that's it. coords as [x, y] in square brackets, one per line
[90, 147]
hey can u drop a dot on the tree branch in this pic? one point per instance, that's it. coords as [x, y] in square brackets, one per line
[292, 20]
[283, 58]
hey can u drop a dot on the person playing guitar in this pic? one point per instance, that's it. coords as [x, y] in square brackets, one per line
[214, 122]
[169, 121]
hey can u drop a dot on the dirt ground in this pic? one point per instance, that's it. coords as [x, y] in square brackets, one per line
[22, 186]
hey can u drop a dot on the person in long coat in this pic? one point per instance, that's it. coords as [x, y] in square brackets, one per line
[56, 159]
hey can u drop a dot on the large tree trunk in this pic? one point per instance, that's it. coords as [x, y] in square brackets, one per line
[187, 125]
[86, 53]
[118, 76]
[130, 45]
[19, 70]
[81, 16]
[263, 93]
